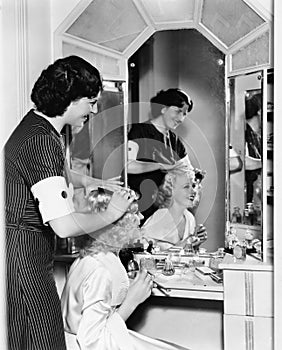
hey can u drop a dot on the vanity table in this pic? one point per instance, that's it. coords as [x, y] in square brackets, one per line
[189, 312]
[248, 304]
[193, 310]
[237, 314]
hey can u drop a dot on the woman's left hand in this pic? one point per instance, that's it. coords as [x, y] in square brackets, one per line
[201, 234]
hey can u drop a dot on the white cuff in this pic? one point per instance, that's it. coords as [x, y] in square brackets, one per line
[233, 153]
[54, 196]
[132, 149]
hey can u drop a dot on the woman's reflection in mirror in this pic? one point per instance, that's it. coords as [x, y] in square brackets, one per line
[154, 148]
[253, 163]
[235, 161]
[173, 224]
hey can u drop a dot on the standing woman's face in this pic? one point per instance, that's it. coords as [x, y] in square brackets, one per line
[79, 110]
[174, 116]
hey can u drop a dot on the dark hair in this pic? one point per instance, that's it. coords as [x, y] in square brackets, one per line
[252, 105]
[170, 97]
[63, 82]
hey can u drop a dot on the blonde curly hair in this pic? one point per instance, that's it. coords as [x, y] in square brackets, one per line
[163, 196]
[114, 236]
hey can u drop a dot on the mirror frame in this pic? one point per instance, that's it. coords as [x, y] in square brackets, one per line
[262, 76]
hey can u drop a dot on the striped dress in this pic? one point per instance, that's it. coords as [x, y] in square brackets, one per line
[34, 322]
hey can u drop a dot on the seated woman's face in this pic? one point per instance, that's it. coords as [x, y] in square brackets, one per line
[184, 191]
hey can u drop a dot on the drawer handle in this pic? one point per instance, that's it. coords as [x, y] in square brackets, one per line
[249, 334]
[249, 293]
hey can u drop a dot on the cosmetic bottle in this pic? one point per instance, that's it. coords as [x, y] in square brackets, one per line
[240, 250]
[168, 269]
[236, 216]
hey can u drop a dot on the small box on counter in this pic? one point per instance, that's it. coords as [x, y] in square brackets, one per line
[205, 270]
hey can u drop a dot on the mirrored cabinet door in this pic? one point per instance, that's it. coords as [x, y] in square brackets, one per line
[249, 165]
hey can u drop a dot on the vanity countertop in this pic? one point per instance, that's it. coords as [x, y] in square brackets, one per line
[231, 263]
[185, 283]
[188, 285]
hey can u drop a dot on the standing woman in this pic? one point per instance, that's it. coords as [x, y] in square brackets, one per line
[154, 148]
[39, 190]
[253, 163]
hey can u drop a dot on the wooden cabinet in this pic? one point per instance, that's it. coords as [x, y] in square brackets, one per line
[245, 293]
[250, 333]
[248, 304]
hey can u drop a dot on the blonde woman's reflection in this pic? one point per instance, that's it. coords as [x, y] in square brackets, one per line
[173, 224]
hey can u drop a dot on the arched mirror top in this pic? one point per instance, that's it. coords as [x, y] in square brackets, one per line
[237, 28]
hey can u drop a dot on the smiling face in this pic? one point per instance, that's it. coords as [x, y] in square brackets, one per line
[174, 116]
[184, 190]
[79, 110]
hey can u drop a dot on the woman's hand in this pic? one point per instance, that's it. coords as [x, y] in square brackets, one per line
[141, 287]
[201, 234]
[139, 290]
[120, 201]
[112, 184]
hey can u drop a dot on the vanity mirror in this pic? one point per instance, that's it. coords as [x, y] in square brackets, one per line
[97, 149]
[249, 165]
[209, 44]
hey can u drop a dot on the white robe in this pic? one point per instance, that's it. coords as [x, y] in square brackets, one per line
[95, 287]
[161, 229]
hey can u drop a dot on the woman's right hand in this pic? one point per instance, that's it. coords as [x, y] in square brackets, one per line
[112, 184]
[140, 289]
[120, 201]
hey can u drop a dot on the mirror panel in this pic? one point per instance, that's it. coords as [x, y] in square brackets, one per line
[98, 148]
[245, 159]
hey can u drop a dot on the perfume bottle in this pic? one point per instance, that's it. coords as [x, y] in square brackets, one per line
[132, 268]
[251, 210]
[240, 250]
[168, 269]
[236, 216]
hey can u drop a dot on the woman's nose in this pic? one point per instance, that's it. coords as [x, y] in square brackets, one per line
[181, 117]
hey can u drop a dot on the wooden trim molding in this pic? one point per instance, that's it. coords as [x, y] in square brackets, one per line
[249, 293]
[249, 333]
[21, 59]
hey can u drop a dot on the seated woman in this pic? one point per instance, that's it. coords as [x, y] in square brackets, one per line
[173, 224]
[98, 298]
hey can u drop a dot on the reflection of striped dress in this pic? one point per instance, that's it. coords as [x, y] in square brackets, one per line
[32, 153]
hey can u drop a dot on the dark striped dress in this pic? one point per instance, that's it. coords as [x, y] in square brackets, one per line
[34, 322]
